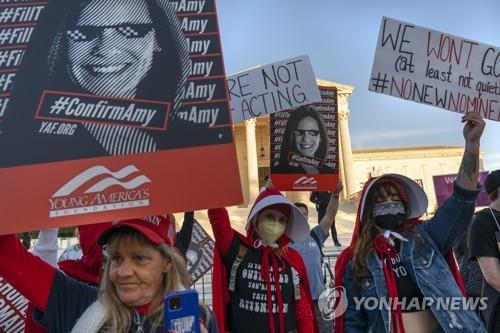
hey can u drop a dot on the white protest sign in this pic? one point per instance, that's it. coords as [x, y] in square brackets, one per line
[271, 88]
[431, 67]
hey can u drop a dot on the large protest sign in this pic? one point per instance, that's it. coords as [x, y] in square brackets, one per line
[443, 187]
[435, 68]
[200, 253]
[13, 307]
[271, 88]
[110, 110]
[304, 146]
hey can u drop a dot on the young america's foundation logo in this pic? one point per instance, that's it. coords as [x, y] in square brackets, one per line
[305, 183]
[94, 190]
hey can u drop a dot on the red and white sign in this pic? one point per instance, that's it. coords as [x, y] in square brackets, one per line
[304, 146]
[101, 129]
[13, 307]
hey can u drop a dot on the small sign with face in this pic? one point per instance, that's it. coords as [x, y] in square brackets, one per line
[304, 145]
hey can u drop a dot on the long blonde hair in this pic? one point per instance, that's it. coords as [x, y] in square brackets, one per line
[119, 315]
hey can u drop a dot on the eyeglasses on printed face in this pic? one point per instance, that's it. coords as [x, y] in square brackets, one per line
[299, 132]
[85, 33]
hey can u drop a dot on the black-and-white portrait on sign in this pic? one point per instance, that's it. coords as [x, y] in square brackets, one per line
[107, 77]
[200, 253]
[304, 144]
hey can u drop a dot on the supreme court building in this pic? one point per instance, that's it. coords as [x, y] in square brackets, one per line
[356, 166]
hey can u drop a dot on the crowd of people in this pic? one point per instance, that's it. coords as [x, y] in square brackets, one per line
[398, 274]
[271, 279]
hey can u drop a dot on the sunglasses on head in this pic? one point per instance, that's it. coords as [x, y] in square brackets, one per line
[299, 132]
[85, 33]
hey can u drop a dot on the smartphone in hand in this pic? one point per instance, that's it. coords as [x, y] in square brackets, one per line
[182, 311]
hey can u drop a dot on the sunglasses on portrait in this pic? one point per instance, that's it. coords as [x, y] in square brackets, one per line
[85, 33]
[299, 132]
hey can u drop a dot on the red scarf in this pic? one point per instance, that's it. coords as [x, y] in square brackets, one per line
[386, 251]
[267, 253]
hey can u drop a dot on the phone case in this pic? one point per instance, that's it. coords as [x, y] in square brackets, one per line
[183, 317]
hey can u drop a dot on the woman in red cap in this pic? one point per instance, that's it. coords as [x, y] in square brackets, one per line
[141, 267]
[259, 283]
[398, 275]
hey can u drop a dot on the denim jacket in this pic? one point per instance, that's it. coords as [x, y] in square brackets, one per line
[423, 258]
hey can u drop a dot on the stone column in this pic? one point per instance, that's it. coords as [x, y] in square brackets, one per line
[345, 145]
[342, 175]
[253, 168]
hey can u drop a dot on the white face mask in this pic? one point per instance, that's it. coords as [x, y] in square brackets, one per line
[388, 207]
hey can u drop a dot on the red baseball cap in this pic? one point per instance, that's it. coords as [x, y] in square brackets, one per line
[158, 229]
